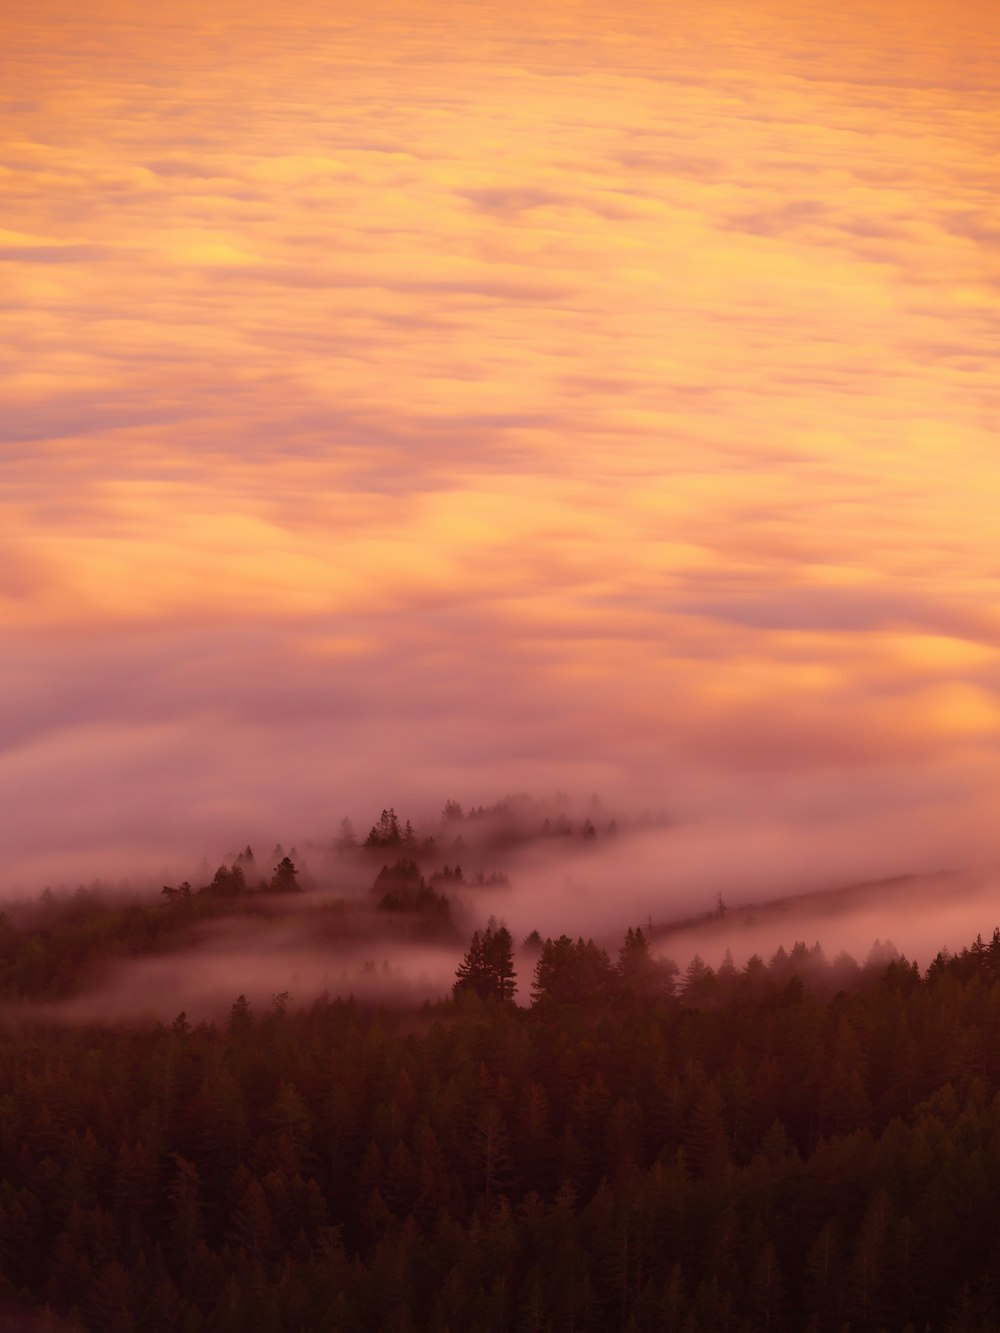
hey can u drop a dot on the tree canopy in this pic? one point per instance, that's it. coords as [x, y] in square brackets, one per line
[487, 970]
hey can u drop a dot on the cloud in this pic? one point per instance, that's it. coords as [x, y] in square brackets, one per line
[50, 254]
[411, 405]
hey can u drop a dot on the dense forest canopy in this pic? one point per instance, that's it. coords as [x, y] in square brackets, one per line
[578, 1135]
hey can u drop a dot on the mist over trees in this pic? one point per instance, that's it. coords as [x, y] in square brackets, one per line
[578, 1135]
[631, 1150]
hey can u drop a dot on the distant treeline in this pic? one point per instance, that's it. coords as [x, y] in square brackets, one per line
[56, 946]
[508, 823]
[511, 820]
[748, 1154]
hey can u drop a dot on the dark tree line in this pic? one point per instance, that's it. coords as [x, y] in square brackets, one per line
[507, 824]
[749, 1153]
[566, 972]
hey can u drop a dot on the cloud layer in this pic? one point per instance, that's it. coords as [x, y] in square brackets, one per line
[441, 401]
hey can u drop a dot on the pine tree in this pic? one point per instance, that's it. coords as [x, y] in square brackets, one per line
[498, 953]
[488, 967]
[470, 975]
[285, 877]
[568, 973]
[386, 833]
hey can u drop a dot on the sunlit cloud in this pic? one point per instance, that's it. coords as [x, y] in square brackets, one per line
[433, 401]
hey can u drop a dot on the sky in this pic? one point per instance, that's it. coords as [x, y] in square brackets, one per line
[422, 400]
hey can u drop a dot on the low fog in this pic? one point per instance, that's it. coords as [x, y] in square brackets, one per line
[271, 969]
[481, 485]
[558, 865]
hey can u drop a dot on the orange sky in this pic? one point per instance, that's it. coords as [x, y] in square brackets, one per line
[416, 400]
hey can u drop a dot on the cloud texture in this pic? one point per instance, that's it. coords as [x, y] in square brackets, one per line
[424, 400]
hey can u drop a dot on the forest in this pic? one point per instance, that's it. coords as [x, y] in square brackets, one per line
[578, 1136]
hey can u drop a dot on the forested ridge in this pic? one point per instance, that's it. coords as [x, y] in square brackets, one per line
[400, 882]
[727, 1150]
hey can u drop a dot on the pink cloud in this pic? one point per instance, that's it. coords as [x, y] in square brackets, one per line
[399, 408]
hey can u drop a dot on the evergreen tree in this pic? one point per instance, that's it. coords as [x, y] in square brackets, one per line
[568, 973]
[498, 954]
[346, 840]
[386, 833]
[471, 974]
[487, 970]
[285, 877]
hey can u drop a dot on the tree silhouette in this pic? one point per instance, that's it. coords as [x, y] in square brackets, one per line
[572, 973]
[386, 833]
[487, 969]
[498, 953]
[285, 877]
